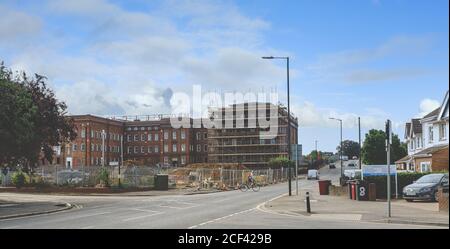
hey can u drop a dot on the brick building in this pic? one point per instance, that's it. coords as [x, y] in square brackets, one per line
[151, 140]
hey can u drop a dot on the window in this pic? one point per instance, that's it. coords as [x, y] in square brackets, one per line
[166, 160]
[183, 148]
[129, 149]
[205, 148]
[442, 132]
[197, 136]
[166, 135]
[205, 135]
[183, 134]
[128, 128]
[174, 135]
[174, 148]
[156, 137]
[199, 147]
[74, 147]
[143, 136]
[92, 134]
[92, 147]
[129, 138]
[183, 160]
[136, 137]
[149, 150]
[156, 149]
[142, 128]
[83, 147]
[425, 167]
[430, 134]
[142, 149]
[136, 149]
[149, 137]
[166, 148]
[83, 133]
[135, 129]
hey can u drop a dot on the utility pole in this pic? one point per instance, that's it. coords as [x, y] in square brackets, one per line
[359, 128]
[388, 150]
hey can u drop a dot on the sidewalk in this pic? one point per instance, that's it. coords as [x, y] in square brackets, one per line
[342, 208]
[10, 210]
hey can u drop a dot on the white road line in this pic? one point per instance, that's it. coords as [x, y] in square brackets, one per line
[221, 218]
[88, 227]
[141, 217]
[11, 227]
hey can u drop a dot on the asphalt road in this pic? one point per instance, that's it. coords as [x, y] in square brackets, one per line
[233, 209]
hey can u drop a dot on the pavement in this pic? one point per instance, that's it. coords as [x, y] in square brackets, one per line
[224, 210]
[10, 210]
[325, 207]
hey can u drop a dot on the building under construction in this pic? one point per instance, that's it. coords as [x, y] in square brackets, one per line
[243, 141]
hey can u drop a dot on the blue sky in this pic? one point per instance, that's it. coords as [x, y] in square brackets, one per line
[376, 59]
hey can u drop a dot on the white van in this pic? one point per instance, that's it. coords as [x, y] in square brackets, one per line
[313, 174]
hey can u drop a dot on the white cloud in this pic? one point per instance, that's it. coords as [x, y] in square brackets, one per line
[354, 66]
[312, 116]
[16, 24]
[426, 106]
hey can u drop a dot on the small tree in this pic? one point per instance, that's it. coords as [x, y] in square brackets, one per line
[349, 148]
[103, 177]
[18, 179]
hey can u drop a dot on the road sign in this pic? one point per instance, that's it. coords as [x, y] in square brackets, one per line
[378, 170]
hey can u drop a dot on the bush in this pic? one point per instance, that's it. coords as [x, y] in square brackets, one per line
[403, 180]
[103, 177]
[18, 179]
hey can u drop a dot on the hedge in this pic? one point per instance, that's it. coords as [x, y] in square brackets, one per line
[403, 180]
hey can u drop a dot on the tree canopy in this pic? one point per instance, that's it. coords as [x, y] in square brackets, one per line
[32, 120]
[374, 148]
[349, 148]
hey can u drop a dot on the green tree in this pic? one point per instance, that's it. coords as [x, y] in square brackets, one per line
[374, 148]
[32, 120]
[280, 162]
[349, 148]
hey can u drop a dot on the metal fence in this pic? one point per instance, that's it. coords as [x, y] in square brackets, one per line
[144, 176]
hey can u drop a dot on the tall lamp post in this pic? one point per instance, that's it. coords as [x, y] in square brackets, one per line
[288, 116]
[340, 148]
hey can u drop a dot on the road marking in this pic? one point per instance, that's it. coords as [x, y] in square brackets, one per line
[221, 218]
[141, 217]
[11, 227]
[88, 227]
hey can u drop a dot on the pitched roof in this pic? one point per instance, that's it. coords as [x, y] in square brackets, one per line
[433, 113]
[428, 151]
[407, 130]
[416, 126]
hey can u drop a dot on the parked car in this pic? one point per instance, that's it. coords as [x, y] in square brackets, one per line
[355, 158]
[351, 166]
[426, 188]
[332, 166]
[313, 174]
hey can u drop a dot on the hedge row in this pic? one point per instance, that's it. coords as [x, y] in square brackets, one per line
[403, 180]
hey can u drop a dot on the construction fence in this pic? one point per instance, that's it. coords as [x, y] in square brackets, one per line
[143, 177]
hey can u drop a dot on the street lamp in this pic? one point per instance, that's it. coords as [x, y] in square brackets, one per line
[288, 115]
[340, 148]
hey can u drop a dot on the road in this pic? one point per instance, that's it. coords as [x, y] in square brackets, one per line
[232, 209]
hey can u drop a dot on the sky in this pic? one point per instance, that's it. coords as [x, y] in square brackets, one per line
[374, 59]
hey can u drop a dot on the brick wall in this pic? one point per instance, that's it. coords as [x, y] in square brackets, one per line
[440, 160]
[443, 201]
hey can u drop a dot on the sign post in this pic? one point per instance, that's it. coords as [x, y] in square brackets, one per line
[388, 150]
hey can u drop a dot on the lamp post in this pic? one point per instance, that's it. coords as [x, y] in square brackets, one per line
[340, 147]
[103, 147]
[288, 116]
